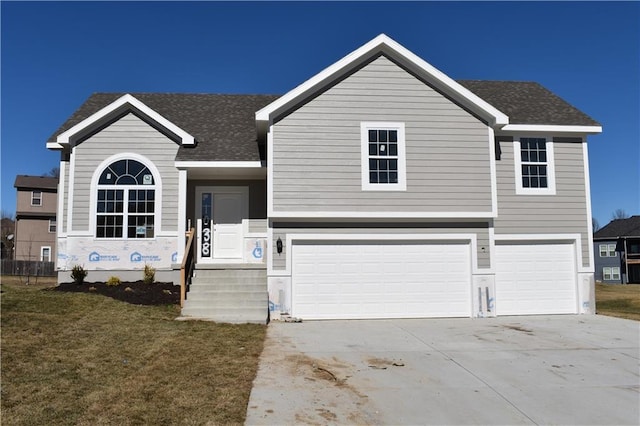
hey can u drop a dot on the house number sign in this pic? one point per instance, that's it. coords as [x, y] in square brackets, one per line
[205, 238]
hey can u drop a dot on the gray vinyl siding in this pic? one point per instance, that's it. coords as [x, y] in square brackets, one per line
[258, 226]
[317, 148]
[562, 213]
[482, 233]
[133, 135]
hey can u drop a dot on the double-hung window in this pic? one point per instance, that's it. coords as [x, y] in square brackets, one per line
[534, 164]
[383, 156]
[52, 225]
[36, 198]
[608, 250]
[125, 206]
[611, 273]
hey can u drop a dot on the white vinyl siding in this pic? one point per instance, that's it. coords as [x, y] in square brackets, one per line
[317, 148]
[129, 134]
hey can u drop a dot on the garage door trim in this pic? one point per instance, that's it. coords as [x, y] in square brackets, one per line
[428, 238]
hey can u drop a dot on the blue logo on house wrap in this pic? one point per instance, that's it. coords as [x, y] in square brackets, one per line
[94, 256]
[174, 257]
[136, 257]
[257, 251]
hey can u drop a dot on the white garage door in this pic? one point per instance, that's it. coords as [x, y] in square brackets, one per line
[343, 279]
[535, 279]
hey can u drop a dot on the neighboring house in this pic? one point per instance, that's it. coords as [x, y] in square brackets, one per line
[617, 251]
[35, 224]
[379, 188]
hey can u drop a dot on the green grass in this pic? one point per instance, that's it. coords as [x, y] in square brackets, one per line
[85, 359]
[621, 301]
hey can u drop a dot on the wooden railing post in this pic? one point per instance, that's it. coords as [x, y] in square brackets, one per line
[186, 267]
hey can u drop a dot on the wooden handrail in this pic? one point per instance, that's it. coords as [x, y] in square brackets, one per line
[187, 265]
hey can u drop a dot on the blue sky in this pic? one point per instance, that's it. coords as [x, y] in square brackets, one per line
[54, 55]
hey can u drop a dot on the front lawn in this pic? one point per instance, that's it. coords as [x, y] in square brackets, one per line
[87, 359]
[618, 300]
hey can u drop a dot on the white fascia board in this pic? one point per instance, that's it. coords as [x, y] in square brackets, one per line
[551, 128]
[381, 215]
[186, 139]
[217, 164]
[383, 44]
[54, 145]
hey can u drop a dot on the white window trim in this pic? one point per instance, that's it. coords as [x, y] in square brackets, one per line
[39, 198]
[93, 203]
[402, 158]
[551, 174]
[55, 222]
[42, 249]
[607, 249]
[613, 273]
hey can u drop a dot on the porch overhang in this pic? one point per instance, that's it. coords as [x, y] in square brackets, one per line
[223, 169]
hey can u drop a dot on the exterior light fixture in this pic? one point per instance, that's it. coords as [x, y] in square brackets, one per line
[279, 246]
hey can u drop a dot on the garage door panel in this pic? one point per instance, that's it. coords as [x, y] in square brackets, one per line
[535, 279]
[380, 280]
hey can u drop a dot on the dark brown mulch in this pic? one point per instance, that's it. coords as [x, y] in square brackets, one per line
[137, 293]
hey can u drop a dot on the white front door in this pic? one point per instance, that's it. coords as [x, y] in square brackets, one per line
[221, 210]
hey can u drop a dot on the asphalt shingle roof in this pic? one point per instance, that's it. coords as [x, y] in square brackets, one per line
[528, 103]
[36, 182]
[629, 227]
[225, 130]
[222, 125]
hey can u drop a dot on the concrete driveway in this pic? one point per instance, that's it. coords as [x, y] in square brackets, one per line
[508, 370]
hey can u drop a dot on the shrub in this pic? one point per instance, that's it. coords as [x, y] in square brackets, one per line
[78, 274]
[149, 274]
[113, 282]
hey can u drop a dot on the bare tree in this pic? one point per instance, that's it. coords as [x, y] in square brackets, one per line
[594, 224]
[619, 214]
[54, 172]
[8, 230]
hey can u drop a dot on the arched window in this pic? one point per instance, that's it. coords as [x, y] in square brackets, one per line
[126, 201]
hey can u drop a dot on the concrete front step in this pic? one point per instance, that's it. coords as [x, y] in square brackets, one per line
[227, 293]
[231, 315]
[229, 301]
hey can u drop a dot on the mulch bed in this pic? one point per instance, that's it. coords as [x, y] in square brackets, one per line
[137, 293]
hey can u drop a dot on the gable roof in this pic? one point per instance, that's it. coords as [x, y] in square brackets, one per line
[382, 45]
[528, 102]
[223, 126]
[35, 182]
[629, 227]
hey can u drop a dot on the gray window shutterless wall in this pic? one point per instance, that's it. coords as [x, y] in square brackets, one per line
[115, 139]
[317, 163]
[564, 212]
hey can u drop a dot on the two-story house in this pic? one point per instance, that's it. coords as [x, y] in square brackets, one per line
[378, 188]
[617, 252]
[35, 224]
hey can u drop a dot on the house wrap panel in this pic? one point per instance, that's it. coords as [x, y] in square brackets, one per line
[480, 230]
[317, 148]
[562, 213]
[128, 134]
